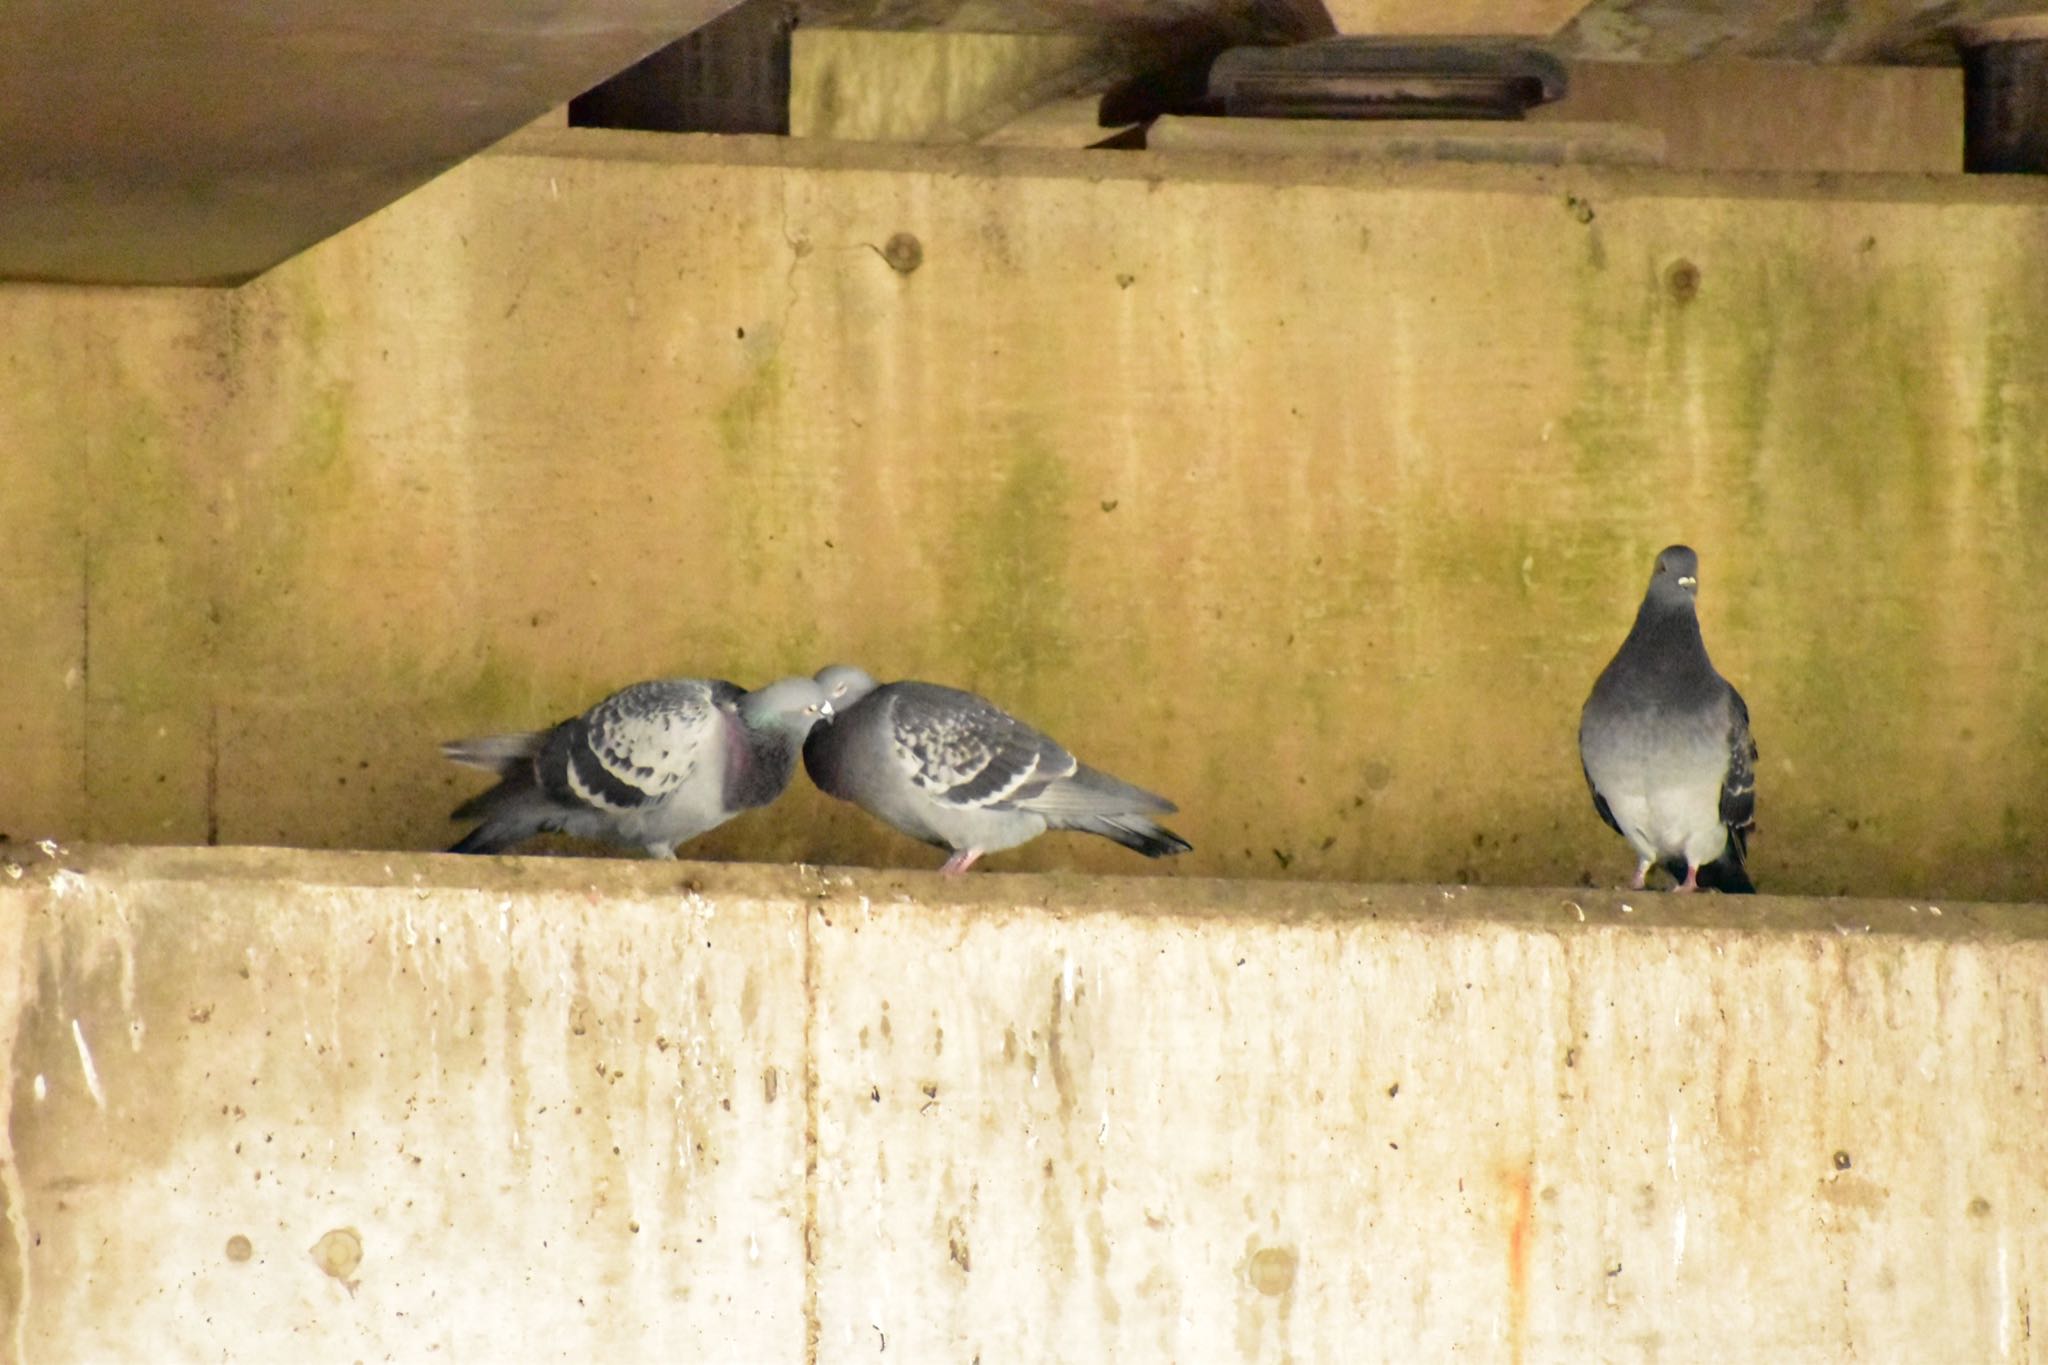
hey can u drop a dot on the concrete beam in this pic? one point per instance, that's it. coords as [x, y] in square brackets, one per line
[1447, 18]
[1912, 32]
[1546, 144]
[861, 85]
[1733, 115]
[268, 1105]
[1072, 122]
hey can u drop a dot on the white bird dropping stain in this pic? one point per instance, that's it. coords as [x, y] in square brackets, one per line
[1067, 978]
[2004, 1303]
[42, 1088]
[92, 1075]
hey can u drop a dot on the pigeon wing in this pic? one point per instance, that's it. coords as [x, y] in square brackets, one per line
[961, 750]
[633, 749]
[1599, 801]
[1738, 785]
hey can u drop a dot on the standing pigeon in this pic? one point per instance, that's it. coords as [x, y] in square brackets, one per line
[1664, 741]
[947, 767]
[652, 765]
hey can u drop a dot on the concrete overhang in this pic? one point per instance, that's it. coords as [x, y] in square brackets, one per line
[203, 141]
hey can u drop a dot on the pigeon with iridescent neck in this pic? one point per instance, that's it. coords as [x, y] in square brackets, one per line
[1664, 742]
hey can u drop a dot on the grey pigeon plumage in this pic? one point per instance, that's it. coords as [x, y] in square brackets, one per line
[650, 766]
[1664, 742]
[949, 768]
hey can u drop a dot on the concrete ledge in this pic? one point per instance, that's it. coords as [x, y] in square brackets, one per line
[1234, 167]
[1554, 143]
[271, 1105]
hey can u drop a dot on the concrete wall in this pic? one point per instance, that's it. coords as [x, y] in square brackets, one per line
[333, 1106]
[1314, 497]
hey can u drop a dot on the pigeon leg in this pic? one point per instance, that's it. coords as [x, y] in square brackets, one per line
[1642, 874]
[960, 862]
[1692, 879]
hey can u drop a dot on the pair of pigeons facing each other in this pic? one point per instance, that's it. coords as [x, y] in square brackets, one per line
[1663, 740]
[659, 763]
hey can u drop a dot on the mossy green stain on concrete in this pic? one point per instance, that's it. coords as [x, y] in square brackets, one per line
[496, 694]
[1992, 416]
[751, 478]
[133, 492]
[295, 499]
[742, 418]
[302, 307]
[1858, 572]
[147, 528]
[1751, 342]
[323, 435]
[1004, 570]
[1608, 427]
[2012, 402]
[760, 494]
[1812, 378]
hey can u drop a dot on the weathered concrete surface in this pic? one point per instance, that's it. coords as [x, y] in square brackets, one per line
[1551, 143]
[1313, 495]
[558, 1124]
[858, 85]
[596, 1110]
[193, 142]
[1778, 116]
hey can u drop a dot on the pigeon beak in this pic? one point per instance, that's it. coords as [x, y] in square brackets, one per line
[824, 710]
[1688, 582]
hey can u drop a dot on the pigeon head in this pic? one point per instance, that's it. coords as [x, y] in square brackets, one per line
[844, 685]
[1677, 578]
[792, 705]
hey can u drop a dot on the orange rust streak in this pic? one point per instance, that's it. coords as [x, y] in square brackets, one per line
[1519, 1233]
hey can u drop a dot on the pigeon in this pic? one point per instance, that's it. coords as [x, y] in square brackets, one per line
[650, 766]
[949, 768]
[1664, 743]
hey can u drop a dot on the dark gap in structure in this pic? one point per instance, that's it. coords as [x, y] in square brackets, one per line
[1180, 88]
[2005, 87]
[730, 76]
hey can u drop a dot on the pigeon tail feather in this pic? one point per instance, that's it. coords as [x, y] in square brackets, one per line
[1090, 791]
[510, 821]
[517, 789]
[1135, 832]
[485, 838]
[1725, 874]
[498, 754]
